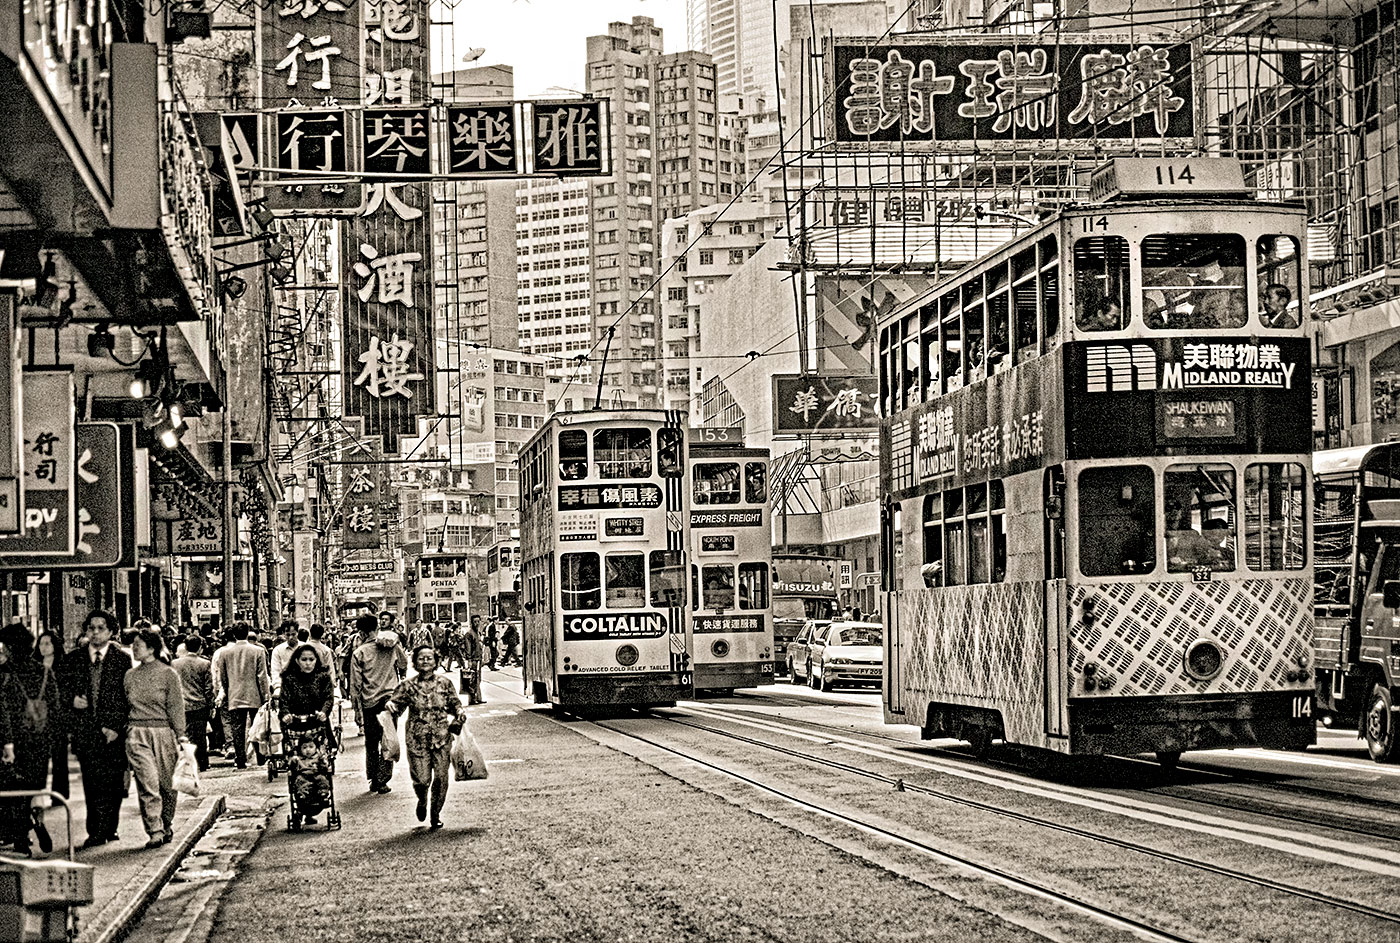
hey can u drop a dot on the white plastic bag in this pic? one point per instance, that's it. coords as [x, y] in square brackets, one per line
[187, 771]
[389, 742]
[262, 721]
[466, 757]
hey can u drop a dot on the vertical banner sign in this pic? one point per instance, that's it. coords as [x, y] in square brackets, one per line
[386, 295]
[101, 493]
[304, 568]
[49, 528]
[364, 498]
[11, 444]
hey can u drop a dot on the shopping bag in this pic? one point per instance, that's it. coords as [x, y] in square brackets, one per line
[466, 757]
[389, 742]
[261, 723]
[187, 771]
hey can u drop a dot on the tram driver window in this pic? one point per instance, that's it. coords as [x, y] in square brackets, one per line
[626, 581]
[1193, 281]
[1279, 281]
[573, 454]
[668, 453]
[580, 583]
[716, 483]
[755, 482]
[1101, 283]
[622, 453]
[1117, 511]
[667, 579]
[717, 584]
[753, 585]
[1273, 523]
[1198, 510]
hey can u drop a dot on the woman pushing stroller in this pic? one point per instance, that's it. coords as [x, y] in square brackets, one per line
[306, 702]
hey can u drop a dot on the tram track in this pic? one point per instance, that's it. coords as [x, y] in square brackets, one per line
[1027, 818]
[1200, 794]
[1138, 928]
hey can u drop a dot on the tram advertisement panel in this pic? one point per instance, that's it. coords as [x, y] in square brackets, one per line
[1003, 426]
[1187, 396]
[708, 624]
[590, 626]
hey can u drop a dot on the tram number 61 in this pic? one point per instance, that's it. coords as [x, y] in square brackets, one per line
[1302, 706]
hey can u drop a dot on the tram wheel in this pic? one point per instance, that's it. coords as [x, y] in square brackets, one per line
[1380, 727]
[1169, 758]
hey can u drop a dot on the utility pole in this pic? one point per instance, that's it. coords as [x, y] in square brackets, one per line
[230, 524]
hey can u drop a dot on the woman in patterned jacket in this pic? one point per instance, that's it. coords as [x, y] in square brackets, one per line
[434, 718]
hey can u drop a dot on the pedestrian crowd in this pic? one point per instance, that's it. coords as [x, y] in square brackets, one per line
[127, 703]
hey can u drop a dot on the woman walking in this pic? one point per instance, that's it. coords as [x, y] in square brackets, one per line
[434, 718]
[48, 655]
[24, 720]
[157, 728]
[306, 702]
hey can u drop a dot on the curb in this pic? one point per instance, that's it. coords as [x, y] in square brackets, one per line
[145, 886]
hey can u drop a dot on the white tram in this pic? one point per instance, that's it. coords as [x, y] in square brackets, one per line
[1095, 481]
[731, 552]
[603, 508]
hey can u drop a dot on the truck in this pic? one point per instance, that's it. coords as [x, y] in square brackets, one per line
[1356, 592]
[804, 587]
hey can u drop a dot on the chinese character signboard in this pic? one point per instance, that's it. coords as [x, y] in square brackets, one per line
[199, 534]
[824, 405]
[311, 141]
[395, 140]
[49, 466]
[104, 486]
[955, 94]
[363, 503]
[570, 138]
[483, 140]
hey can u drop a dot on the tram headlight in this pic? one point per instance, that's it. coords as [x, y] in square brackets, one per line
[719, 648]
[627, 655]
[1204, 659]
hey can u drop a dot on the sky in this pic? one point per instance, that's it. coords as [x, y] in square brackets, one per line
[544, 39]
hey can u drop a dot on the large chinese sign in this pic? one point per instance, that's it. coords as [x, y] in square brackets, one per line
[363, 503]
[48, 527]
[954, 94]
[817, 405]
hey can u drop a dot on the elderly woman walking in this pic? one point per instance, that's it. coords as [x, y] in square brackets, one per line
[157, 728]
[434, 718]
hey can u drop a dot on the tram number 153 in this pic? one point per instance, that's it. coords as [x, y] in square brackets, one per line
[1302, 706]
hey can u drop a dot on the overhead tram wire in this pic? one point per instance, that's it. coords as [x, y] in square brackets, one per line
[739, 191]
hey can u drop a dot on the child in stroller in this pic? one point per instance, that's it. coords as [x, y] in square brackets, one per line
[306, 702]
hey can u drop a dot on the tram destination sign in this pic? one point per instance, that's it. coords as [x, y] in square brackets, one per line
[954, 95]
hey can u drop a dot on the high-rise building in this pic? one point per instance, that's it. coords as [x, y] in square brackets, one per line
[739, 35]
[553, 286]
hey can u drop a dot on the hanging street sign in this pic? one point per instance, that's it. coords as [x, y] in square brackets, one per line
[824, 405]
[483, 140]
[48, 524]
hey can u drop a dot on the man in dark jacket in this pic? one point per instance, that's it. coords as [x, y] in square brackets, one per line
[94, 676]
[197, 681]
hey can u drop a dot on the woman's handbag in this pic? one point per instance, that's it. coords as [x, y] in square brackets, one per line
[36, 709]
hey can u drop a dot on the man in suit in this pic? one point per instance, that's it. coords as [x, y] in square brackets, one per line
[95, 675]
[243, 686]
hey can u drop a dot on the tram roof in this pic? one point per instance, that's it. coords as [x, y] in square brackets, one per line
[1348, 460]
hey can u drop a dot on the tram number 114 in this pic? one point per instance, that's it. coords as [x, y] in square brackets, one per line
[1302, 706]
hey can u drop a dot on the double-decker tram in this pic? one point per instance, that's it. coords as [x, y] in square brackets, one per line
[442, 589]
[503, 581]
[1095, 479]
[731, 551]
[603, 507]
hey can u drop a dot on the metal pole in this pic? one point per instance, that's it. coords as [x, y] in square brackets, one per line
[230, 525]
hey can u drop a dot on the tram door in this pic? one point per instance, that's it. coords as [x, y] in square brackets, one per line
[1054, 607]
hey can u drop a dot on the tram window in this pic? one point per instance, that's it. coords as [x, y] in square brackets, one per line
[573, 454]
[717, 580]
[460, 612]
[626, 585]
[755, 483]
[998, 331]
[622, 453]
[954, 539]
[1193, 281]
[668, 453]
[974, 329]
[1101, 283]
[1273, 522]
[886, 374]
[928, 352]
[932, 568]
[997, 493]
[950, 315]
[1024, 315]
[1117, 511]
[716, 483]
[580, 582]
[1279, 281]
[667, 579]
[753, 585]
[910, 384]
[1050, 287]
[1198, 511]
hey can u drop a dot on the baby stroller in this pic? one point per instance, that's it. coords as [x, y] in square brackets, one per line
[311, 746]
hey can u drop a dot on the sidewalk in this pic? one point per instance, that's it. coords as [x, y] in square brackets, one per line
[128, 876]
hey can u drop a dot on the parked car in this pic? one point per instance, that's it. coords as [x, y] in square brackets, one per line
[846, 653]
[799, 658]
